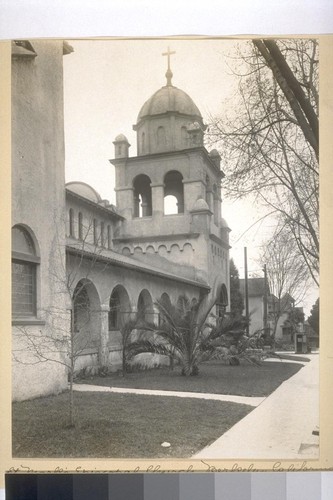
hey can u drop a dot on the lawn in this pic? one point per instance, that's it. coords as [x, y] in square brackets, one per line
[135, 426]
[214, 377]
[120, 426]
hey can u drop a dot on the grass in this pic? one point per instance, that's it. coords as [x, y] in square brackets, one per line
[134, 426]
[214, 377]
[120, 426]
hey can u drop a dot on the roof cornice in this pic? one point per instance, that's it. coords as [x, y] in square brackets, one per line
[115, 259]
[169, 154]
[91, 203]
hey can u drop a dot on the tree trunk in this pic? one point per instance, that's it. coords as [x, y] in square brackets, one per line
[124, 361]
[71, 400]
[273, 60]
[295, 86]
[71, 371]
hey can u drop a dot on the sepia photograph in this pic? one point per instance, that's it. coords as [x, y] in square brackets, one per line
[165, 248]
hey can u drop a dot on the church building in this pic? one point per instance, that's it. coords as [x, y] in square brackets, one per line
[79, 260]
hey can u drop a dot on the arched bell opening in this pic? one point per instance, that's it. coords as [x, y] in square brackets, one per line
[173, 193]
[142, 196]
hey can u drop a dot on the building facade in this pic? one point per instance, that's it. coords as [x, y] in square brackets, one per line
[164, 238]
[283, 317]
[38, 214]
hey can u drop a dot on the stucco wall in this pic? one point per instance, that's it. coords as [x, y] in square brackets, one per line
[38, 201]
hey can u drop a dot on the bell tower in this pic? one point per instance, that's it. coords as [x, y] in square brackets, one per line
[170, 193]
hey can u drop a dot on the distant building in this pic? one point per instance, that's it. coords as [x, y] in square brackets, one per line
[164, 238]
[280, 312]
[288, 318]
[256, 294]
[311, 335]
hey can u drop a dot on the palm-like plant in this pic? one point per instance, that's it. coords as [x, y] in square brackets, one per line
[126, 330]
[182, 335]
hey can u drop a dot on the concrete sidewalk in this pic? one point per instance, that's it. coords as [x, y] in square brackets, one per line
[280, 427]
[252, 401]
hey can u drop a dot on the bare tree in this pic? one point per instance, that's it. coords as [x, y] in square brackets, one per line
[68, 334]
[270, 146]
[287, 274]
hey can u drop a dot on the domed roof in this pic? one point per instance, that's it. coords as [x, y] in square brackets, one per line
[121, 138]
[169, 99]
[224, 223]
[214, 153]
[200, 205]
[84, 190]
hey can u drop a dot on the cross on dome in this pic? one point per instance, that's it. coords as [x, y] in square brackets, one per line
[169, 73]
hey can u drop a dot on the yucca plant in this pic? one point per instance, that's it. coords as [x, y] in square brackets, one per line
[183, 334]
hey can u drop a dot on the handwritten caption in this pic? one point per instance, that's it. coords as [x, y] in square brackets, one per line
[204, 467]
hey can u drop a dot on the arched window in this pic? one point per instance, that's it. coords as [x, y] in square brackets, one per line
[222, 301]
[114, 313]
[71, 223]
[170, 205]
[184, 137]
[173, 193]
[166, 307]
[120, 308]
[109, 237]
[143, 143]
[24, 269]
[81, 307]
[208, 192]
[86, 316]
[95, 232]
[142, 196]
[165, 300]
[145, 307]
[216, 205]
[80, 226]
[161, 138]
[102, 234]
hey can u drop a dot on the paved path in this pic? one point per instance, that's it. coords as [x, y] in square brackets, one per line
[252, 401]
[280, 427]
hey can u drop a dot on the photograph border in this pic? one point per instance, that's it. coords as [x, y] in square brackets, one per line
[326, 366]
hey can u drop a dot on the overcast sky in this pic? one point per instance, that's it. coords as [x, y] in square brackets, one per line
[105, 85]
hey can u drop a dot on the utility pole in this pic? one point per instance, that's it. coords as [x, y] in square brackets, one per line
[265, 299]
[246, 293]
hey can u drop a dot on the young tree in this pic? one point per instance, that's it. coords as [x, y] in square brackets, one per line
[288, 276]
[313, 319]
[69, 332]
[236, 297]
[270, 147]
